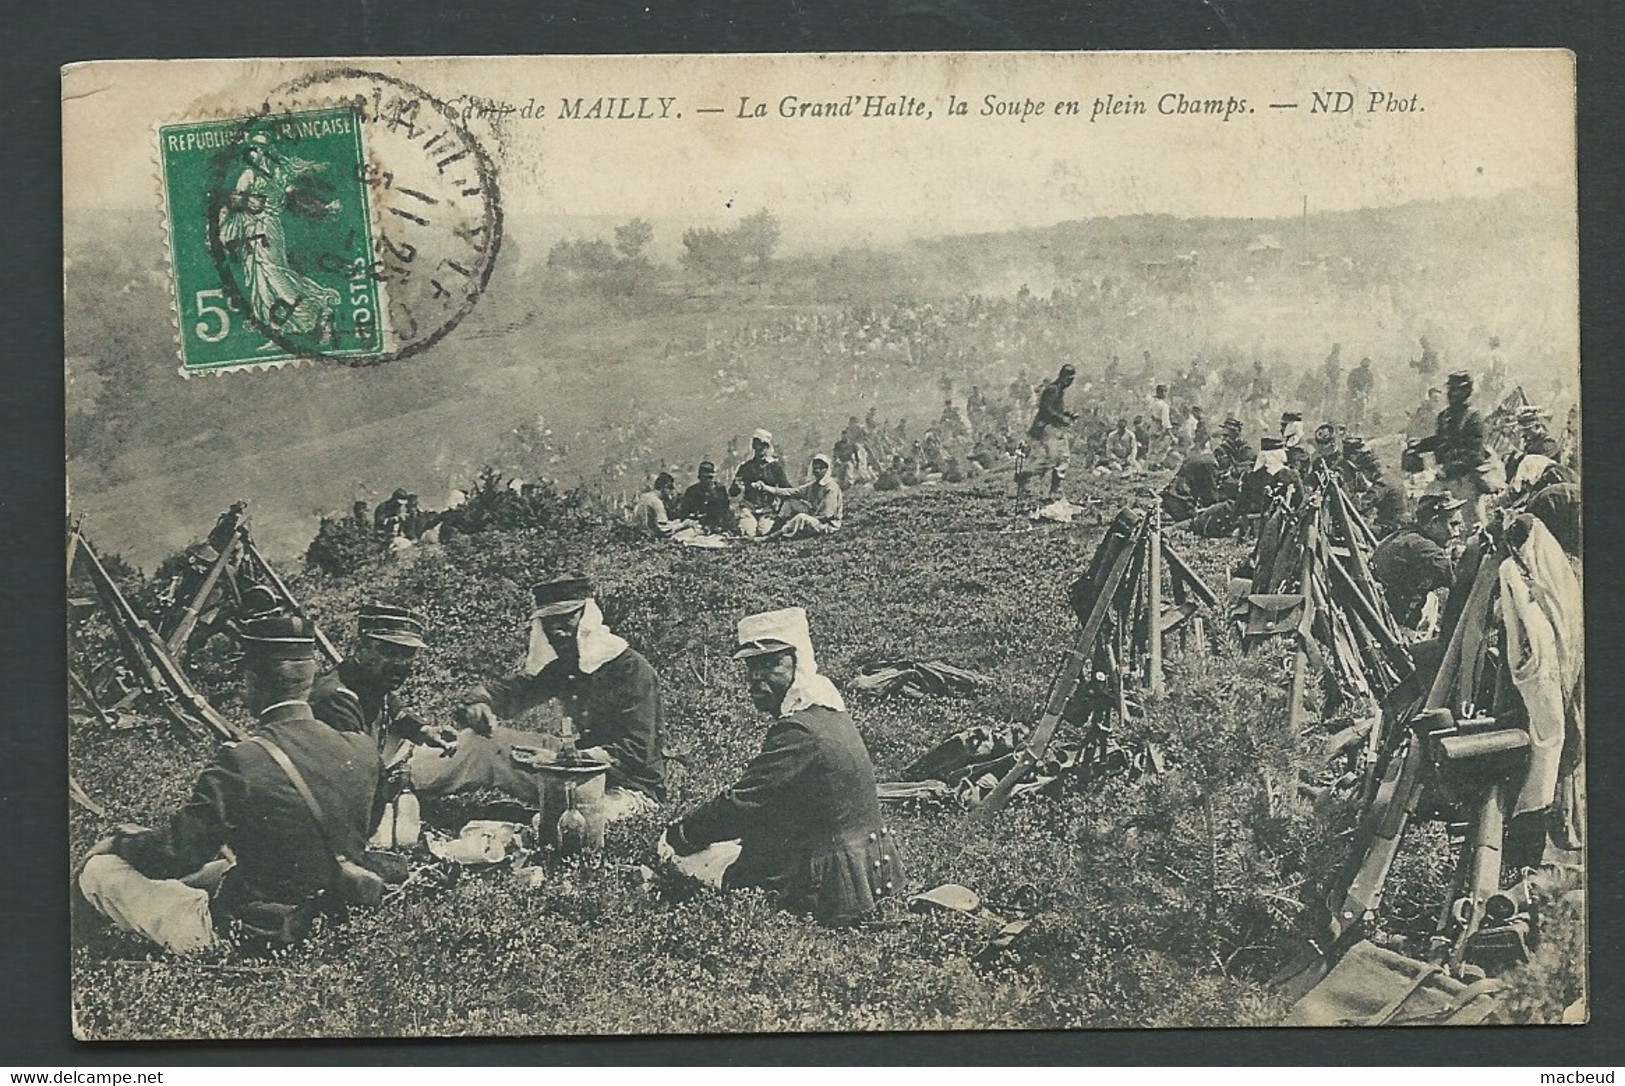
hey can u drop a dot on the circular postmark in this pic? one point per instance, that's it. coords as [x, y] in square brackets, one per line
[353, 218]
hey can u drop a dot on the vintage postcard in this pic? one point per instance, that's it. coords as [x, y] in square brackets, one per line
[689, 544]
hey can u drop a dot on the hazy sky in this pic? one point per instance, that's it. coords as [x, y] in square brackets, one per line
[1487, 122]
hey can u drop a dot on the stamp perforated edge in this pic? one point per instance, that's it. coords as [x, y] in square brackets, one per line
[270, 107]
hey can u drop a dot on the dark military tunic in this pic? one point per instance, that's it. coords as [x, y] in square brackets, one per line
[617, 708]
[1457, 442]
[1259, 488]
[766, 472]
[1558, 507]
[1540, 443]
[1052, 414]
[342, 701]
[806, 815]
[1383, 506]
[243, 799]
[1409, 565]
[709, 505]
[1234, 455]
[1194, 487]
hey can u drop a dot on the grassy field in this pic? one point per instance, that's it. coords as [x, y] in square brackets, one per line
[1166, 901]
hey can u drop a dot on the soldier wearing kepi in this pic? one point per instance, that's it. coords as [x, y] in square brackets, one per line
[1234, 455]
[757, 513]
[805, 811]
[1534, 436]
[1414, 561]
[1457, 445]
[359, 695]
[1052, 447]
[275, 825]
[605, 686]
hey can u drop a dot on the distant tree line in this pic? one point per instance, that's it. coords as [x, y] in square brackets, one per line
[623, 268]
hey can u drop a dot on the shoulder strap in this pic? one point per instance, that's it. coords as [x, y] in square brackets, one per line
[297, 779]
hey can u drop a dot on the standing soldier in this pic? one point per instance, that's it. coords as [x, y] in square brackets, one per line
[1331, 382]
[1457, 445]
[1052, 448]
[1361, 382]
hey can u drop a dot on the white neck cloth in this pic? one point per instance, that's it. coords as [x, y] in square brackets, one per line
[789, 627]
[595, 644]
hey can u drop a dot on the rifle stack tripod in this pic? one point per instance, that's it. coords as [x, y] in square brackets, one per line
[1126, 619]
[1451, 746]
[148, 671]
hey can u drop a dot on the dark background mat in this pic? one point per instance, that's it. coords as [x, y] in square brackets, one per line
[34, 1002]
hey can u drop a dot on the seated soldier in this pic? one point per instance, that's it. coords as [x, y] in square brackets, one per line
[653, 506]
[358, 696]
[1326, 457]
[1234, 455]
[605, 686]
[706, 502]
[389, 517]
[815, 508]
[1378, 500]
[1541, 486]
[1534, 435]
[1270, 480]
[1194, 487]
[1414, 561]
[805, 811]
[272, 825]
[758, 510]
[1122, 448]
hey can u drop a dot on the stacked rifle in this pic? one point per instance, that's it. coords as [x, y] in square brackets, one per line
[211, 586]
[1455, 746]
[201, 599]
[1127, 614]
[150, 673]
[1310, 577]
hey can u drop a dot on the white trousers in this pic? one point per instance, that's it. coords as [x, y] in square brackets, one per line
[174, 913]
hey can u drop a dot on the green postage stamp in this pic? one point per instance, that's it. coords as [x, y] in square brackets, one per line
[271, 239]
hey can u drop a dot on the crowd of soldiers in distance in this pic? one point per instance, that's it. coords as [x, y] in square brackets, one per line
[304, 819]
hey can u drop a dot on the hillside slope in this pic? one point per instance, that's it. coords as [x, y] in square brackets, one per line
[1166, 901]
[631, 385]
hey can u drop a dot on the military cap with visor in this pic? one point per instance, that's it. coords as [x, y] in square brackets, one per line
[561, 595]
[397, 625]
[1430, 506]
[278, 637]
